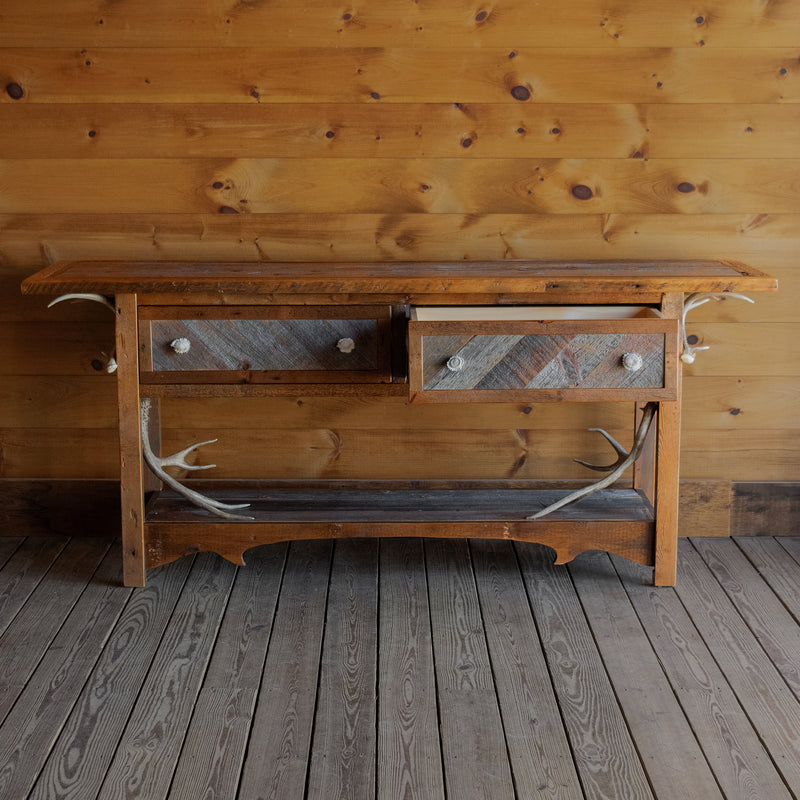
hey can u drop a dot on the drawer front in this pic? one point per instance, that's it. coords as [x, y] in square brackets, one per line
[246, 345]
[576, 360]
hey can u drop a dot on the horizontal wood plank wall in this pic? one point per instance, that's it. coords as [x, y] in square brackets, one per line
[214, 130]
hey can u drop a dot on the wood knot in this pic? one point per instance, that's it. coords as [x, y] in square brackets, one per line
[582, 192]
[685, 187]
[227, 210]
[521, 93]
[14, 91]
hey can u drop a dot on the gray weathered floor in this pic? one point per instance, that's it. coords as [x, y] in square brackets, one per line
[400, 669]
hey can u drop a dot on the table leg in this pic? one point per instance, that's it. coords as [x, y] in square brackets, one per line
[130, 442]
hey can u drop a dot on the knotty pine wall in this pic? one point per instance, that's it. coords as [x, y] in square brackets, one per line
[403, 129]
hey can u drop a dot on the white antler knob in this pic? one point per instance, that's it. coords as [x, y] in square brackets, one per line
[455, 363]
[346, 345]
[632, 362]
[181, 345]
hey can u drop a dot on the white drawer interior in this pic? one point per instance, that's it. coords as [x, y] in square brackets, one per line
[481, 313]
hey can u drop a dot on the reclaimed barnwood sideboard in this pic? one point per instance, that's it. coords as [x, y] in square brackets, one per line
[477, 332]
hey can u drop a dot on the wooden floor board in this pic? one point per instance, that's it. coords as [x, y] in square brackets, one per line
[343, 751]
[474, 750]
[539, 752]
[27, 638]
[151, 743]
[604, 751]
[22, 571]
[409, 749]
[400, 669]
[732, 748]
[759, 606]
[276, 765]
[770, 704]
[216, 742]
[82, 756]
[782, 574]
[673, 759]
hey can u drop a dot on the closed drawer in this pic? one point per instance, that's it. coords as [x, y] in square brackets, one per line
[253, 344]
[479, 359]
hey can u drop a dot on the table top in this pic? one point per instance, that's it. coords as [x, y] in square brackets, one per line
[391, 277]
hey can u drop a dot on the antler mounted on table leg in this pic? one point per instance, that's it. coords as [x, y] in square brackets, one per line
[111, 360]
[693, 301]
[157, 464]
[624, 460]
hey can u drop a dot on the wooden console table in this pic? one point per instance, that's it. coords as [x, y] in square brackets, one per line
[431, 332]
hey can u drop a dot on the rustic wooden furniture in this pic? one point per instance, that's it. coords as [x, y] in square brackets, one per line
[434, 332]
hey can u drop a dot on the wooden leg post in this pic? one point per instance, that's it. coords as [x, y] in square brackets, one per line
[130, 442]
[668, 454]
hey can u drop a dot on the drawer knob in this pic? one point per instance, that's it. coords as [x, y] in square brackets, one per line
[455, 363]
[181, 345]
[632, 362]
[346, 345]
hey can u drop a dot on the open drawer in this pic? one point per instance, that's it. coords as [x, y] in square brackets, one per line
[527, 353]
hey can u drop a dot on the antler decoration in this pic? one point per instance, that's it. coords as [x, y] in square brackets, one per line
[157, 464]
[111, 361]
[693, 301]
[624, 460]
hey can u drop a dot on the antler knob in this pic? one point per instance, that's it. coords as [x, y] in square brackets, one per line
[181, 345]
[455, 363]
[632, 362]
[346, 345]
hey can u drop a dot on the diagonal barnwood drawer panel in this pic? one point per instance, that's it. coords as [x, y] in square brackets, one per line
[482, 360]
[543, 362]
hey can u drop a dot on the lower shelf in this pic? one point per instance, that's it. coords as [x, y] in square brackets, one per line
[616, 520]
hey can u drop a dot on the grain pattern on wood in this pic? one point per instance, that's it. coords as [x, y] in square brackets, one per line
[88, 741]
[772, 708]
[732, 346]
[766, 240]
[409, 750]
[433, 130]
[27, 638]
[491, 362]
[67, 348]
[680, 771]
[33, 725]
[763, 509]
[540, 756]
[738, 758]
[131, 467]
[8, 546]
[23, 571]
[766, 616]
[401, 186]
[758, 401]
[768, 556]
[591, 278]
[581, 23]
[284, 74]
[473, 748]
[280, 742]
[604, 752]
[148, 751]
[344, 748]
[216, 741]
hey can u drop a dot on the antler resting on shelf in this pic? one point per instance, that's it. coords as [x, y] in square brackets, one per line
[624, 460]
[157, 464]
